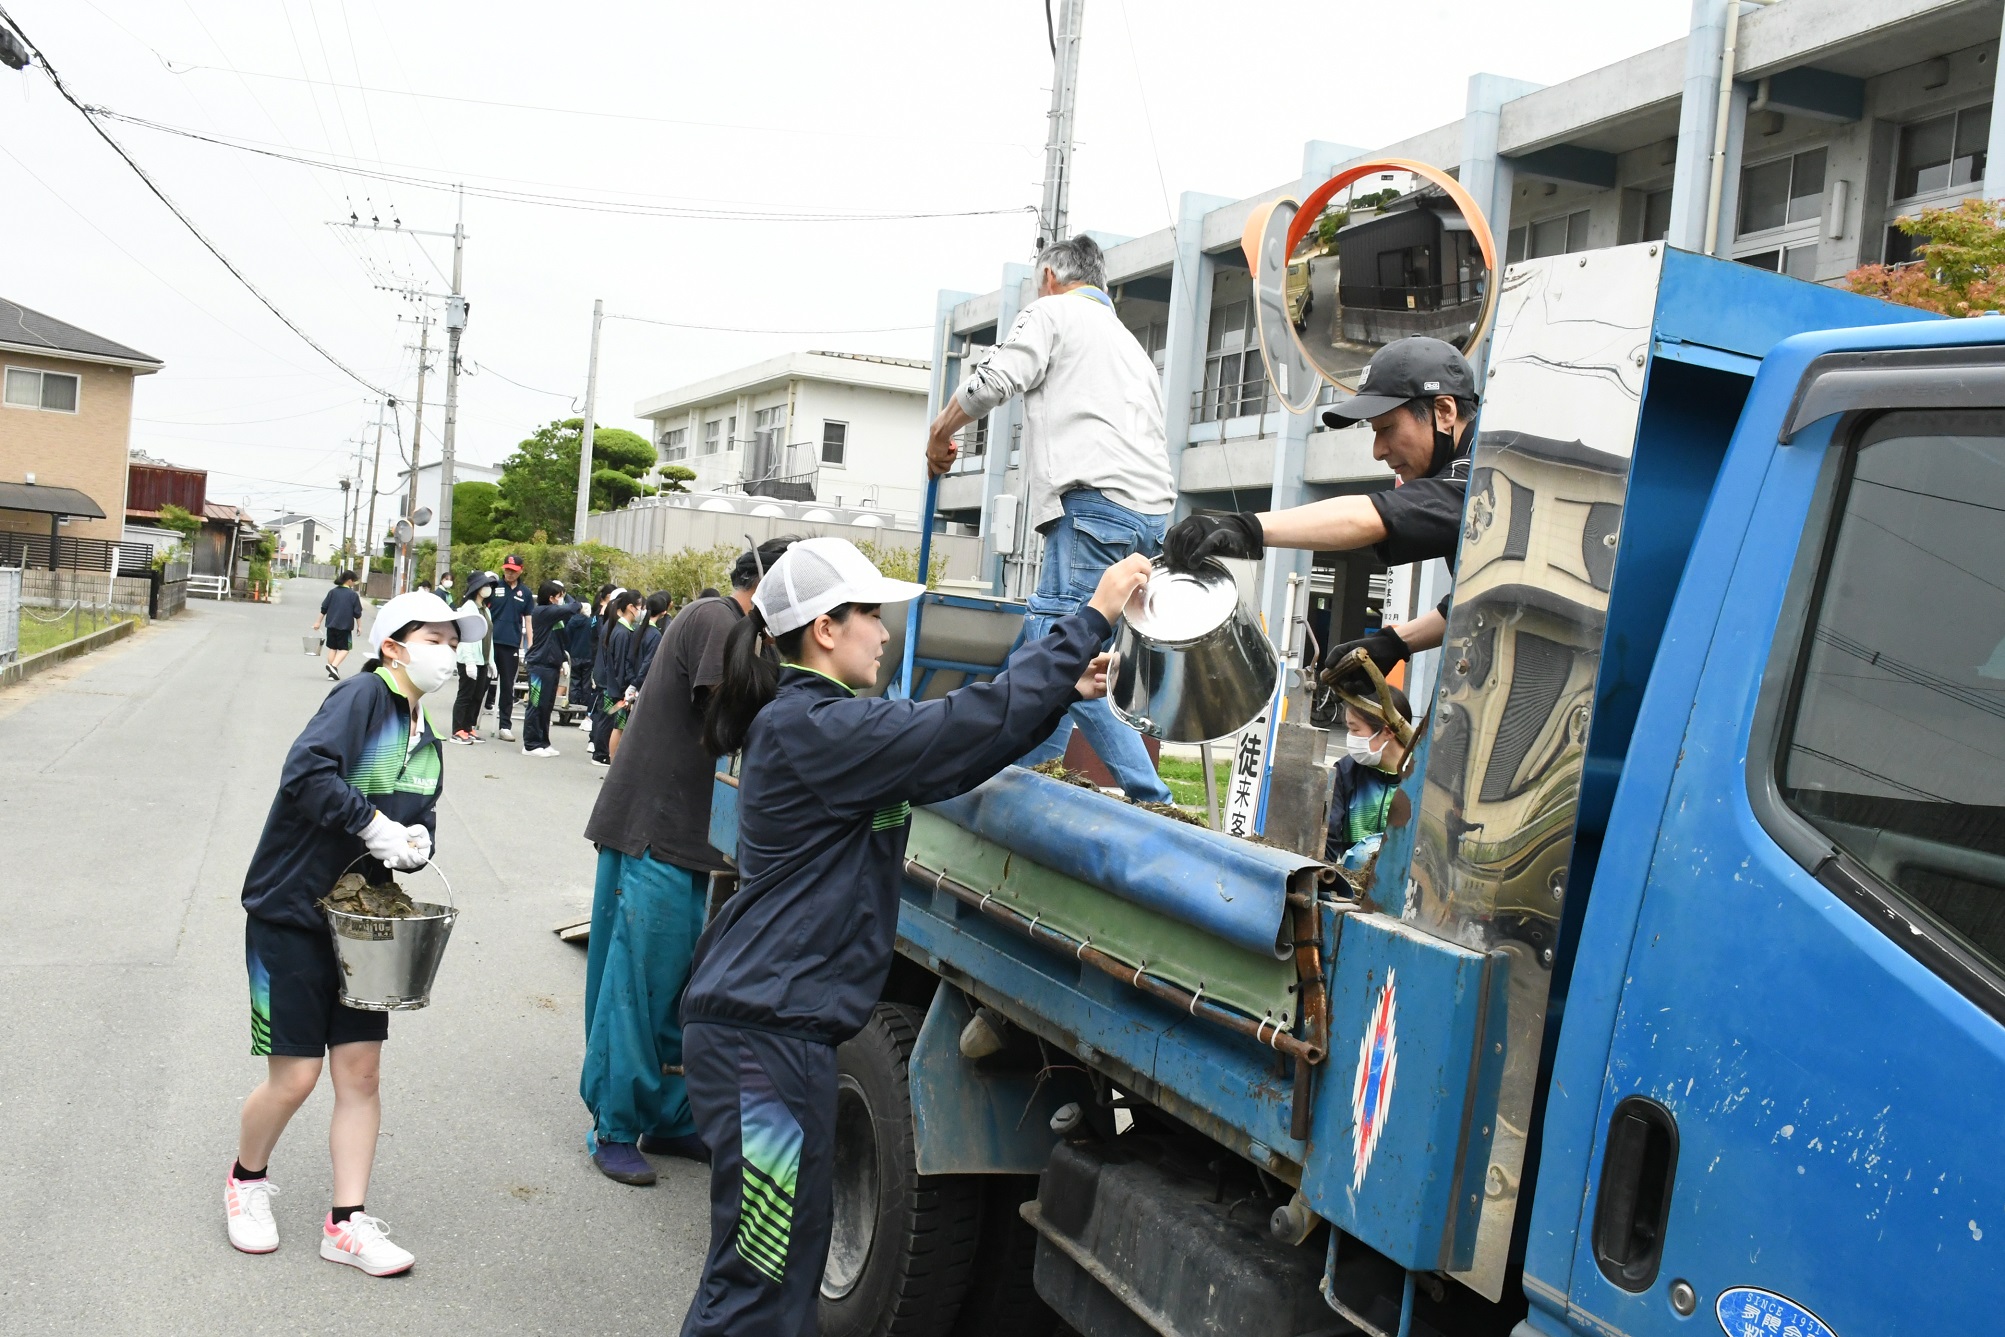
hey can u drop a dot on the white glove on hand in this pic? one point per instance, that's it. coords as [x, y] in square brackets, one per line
[421, 841]
[390, 843]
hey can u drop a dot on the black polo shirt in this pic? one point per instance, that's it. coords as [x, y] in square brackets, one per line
[1423, 518]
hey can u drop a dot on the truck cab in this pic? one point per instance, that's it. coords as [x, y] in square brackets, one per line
[1674, 995]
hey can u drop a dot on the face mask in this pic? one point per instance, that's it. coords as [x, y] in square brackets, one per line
[1361, 750]
[429, 665]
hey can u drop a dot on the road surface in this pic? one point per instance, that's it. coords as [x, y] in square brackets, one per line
[137, 782]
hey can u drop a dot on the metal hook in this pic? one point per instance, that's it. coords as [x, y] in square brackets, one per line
[1137, 981]
[1079, 953]
[1194, 997]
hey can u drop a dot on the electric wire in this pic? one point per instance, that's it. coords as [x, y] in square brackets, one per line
[63, 89]
[737, 329]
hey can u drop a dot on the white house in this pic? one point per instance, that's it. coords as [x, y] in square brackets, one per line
[305, 538]
[839, 429]
[392, 505]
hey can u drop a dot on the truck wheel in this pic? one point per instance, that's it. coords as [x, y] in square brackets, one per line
[902, 1244]
[1002, 1298]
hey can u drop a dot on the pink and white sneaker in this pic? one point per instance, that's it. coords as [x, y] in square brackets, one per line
[248, 1205]
[364, 1242]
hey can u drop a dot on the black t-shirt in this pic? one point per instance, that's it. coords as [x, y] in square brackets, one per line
[656, 797]
[1423, 519]
[342, 608]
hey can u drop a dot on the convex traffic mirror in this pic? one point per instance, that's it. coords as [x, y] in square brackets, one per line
[1378, 252]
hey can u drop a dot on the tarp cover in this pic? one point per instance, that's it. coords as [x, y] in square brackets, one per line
[1228, 887]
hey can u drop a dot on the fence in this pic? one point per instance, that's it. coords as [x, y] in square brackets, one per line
[32, 550]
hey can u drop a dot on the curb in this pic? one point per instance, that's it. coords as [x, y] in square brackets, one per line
[22, 669]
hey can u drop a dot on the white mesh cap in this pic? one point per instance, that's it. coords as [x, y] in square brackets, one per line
[815, 575]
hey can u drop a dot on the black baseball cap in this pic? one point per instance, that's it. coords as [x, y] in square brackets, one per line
[1405, 369]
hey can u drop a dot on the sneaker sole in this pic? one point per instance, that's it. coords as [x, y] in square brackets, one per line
[245, 1248]
[336, 1256]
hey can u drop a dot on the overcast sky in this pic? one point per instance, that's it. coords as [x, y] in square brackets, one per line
[789, 109]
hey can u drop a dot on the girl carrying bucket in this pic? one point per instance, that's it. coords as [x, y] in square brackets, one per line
[361, 780]
[796, 960]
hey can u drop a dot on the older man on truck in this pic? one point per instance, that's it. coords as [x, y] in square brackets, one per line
[1097, 468]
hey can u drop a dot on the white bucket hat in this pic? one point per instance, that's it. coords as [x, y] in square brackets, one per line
[815, 575]
[421, 606]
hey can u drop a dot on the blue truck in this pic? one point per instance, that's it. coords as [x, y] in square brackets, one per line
[1673, 1000]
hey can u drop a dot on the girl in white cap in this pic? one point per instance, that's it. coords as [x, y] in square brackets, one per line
[796, 960]
[358, 790]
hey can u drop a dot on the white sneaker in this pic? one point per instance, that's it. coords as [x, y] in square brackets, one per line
[364, 1242]
[248, 1204]
[541, 752]
[507, 735]
[584, 726]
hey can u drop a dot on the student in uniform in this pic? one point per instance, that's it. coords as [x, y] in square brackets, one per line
[616, 655]
[1366, 778]
[797, 959]
[476, 658]
[581, 643]
[357, 791]
[654, 619]
[340, 609]
[545, 661]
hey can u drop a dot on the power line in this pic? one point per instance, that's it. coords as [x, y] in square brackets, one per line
[478, 370]
[585, 203]
[736, 329]
[67, 96]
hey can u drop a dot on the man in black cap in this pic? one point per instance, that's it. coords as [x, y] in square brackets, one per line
[1419, 395]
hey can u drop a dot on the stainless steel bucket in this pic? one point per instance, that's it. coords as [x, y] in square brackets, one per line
[1193, 666]
[387, 965]
[313, 644]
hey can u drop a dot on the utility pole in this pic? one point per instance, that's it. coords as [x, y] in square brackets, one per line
[456, 312]
[403, 581]
[1052, 222]
[344, 514]
[585, 428]
[376, 476]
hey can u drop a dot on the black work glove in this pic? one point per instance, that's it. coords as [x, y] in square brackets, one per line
[1196, 542]
[1385, 648]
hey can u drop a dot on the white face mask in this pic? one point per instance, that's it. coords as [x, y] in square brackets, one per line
[429, 665]
[1361, 750]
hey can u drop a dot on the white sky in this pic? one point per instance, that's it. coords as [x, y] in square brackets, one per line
[888, 106]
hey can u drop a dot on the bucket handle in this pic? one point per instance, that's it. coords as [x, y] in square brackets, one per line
[432, 864]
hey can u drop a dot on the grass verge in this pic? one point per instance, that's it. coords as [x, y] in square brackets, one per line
[37, 635]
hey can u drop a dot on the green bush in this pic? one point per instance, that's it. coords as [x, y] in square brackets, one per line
[684, 574]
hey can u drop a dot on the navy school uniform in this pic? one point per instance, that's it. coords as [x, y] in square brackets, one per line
[355, 758]
[796, 961]
[615, 670]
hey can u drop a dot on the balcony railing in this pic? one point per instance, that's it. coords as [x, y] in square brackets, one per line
[1239, 399]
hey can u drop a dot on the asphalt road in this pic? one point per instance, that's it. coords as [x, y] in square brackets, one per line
[136, 783]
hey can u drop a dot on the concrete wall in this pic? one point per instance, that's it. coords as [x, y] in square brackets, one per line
[885, 458]
[673, 528]
[59, 589]
[85, 450]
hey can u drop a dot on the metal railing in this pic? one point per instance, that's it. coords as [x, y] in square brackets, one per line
[1238, 399]
[74, 554]
[1410, 297]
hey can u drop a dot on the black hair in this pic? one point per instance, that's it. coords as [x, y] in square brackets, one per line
[710, 592]
[749, 567]
[372, 664]
[1399, 703]
[1422, 407]
[658, 603]
[752, 676]
[344, 578]
[600, 597]
[623, 599]
[549, 592]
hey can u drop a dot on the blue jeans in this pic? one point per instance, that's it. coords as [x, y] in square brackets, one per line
[1093, 534]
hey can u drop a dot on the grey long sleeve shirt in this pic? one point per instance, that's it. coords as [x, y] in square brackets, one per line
[1092, 405]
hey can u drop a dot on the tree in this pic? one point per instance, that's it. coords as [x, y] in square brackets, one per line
[539, 482]
[675, 478]
[473, 510]
[1962, 255]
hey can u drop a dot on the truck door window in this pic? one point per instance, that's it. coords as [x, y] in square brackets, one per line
[1894, 747]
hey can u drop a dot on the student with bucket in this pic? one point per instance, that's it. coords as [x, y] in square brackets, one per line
[358, 790]
[795, 962]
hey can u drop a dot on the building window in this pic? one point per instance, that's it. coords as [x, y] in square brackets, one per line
[710, 435]
[51, 390]
[731, 432]
[834, 443]
[1776, 194]
[1656, 216]
[1552, 236]
[1235, 376]
[1799, 262]
[1942, 154]
[675, 444]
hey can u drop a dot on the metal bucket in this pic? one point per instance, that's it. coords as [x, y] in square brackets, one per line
[313, 644]
[1193, 665]
[387, 965]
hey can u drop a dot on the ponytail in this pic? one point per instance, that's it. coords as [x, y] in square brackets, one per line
[751, 677]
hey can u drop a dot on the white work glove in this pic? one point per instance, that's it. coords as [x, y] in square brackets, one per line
[421, 841]
[390, 843]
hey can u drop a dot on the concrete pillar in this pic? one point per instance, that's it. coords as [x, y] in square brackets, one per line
[1191, 275]
[1017, 292]
[1487, 174]
[1730, 177]
[1697, 122]
[1994, 177]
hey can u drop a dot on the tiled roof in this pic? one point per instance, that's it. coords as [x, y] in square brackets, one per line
[26, 328]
